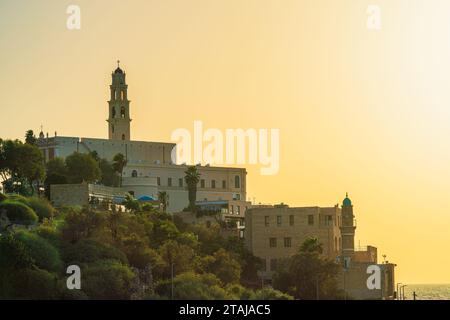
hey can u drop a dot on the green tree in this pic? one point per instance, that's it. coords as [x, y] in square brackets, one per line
[82, 167]
[131, 203]
[18, 212]
[109, 176]
[223, 265]
[43, 253]
[35, 284]
[56, 173]
[271, 294]
[119, 162]
[192, 286]
[178, 255]
[88, 251]
[307, 275]
[81, 224]
[42, 207]
[107, 280]
[192, 177]
[30, 138]
[14, 257]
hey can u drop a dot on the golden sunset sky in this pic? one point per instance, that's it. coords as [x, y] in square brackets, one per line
[359, 111]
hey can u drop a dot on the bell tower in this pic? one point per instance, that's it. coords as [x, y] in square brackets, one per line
[119, 107]
[347, 231]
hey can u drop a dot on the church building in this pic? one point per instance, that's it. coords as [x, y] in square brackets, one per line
[149, 167]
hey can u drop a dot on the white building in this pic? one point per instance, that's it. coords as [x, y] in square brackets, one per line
[149, 164]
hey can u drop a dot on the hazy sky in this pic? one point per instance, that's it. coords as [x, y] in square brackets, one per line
[358, 110]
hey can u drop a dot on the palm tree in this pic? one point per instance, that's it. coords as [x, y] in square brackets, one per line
[192, 178]
[119, 162]
[163, 198]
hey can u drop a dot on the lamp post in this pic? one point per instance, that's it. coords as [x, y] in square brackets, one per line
[402, 288]
[398, 293]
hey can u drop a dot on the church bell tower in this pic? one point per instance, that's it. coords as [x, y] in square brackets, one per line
[119, 107]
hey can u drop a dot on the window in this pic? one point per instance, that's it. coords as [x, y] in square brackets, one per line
[237, 182]
[134, 174]
[113, 112]
[238, 209]
[278, 221]
[224, 184]
[231, 209]
[310, 219]
[213, 184]
[287, 242]
[273, 242]
[180, 182]
[169, 182]
[158, 181]
[202, 183]
[335, 244]
[122, 95]
[123, 136]
[291, 220]
[112, 128]
[273, 264]
[266, 221]
[329, 220]
[122, 112]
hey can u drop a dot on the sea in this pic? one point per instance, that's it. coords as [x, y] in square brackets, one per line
[428, 291]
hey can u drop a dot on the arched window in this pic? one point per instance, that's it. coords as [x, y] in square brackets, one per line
[113, 112]
[123, 136]
[237, 182]
[134, 174]
[122, 112]
[122, 95]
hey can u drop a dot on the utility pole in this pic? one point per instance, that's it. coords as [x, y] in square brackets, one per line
[171, 289]
[317, 287]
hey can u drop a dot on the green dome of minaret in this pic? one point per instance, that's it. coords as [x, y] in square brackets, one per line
[347, 202]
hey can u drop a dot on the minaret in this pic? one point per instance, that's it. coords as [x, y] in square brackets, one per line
[347, 231]
[119, 107]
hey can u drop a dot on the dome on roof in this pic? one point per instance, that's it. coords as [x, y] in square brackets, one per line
[118, 70]
[347, 202]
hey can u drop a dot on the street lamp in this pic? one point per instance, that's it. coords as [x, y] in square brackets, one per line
[402, 288]
[398, 293]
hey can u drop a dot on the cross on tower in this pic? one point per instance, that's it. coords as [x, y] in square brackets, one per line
[118, 63]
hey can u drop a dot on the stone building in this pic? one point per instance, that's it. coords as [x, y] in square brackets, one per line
[151, 166]
[276, 232]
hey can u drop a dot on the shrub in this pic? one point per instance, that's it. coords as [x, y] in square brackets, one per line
[42, 207]
[44, 254]
[87, 251]
[18, 212]
[2, 197]
[192, 286]
[50, 234]
[271, 294]
[34, 284]
[108, 280]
